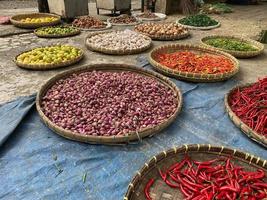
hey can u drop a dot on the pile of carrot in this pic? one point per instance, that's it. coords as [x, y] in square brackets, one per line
[217, 179]
[187, 61]
[250, 105]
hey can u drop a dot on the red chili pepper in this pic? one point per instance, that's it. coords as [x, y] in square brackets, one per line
[147, 188]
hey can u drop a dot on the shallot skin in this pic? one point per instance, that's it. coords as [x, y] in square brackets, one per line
[103, 103]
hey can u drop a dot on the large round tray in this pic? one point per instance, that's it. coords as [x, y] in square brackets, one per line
[237, 121]
[120, 139]
[76, 32]
[164, 159]
[160, 16]
[138, 21]
[48, 66]
[114, 51]
[194, 77]
[199, 27]
[108, 26]
[238, 54]
[166, 37]
[15, 20]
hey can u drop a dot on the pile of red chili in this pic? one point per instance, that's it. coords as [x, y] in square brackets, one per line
[187, 61]
[250, 105]
[217, 179]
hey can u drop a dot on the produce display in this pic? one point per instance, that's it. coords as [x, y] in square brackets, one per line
[187, 61]
[216, 8]
[108, 103]
[158, 30]
[218, 179]
[123, 19]
[119, 40]
[38, 19]
[250, 105]
[147, 14]
[230, 44]
[56, 30]
[199, 20]
[88, 22]
[49, 55]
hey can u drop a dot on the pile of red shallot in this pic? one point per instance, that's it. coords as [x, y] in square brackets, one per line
[102, 103]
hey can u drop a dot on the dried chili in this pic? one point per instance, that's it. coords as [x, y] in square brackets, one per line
[147, 188]
[187, 61]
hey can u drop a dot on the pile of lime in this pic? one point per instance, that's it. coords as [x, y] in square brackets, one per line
[38, 19]
[49, 55]
[56, 30]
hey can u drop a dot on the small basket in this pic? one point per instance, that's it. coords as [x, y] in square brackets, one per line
[15, 20]
[75, 32]
[116, 139]
[114, 51]
[160, 16]
[200, 27]
[48, 66]
[138, 21]
[241, 125]
[194, 77]
[108, 26]
[237, 54]
[164, 159]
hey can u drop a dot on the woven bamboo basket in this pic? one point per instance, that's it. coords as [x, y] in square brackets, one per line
[165, 159]
[15, 20]
[116, 139]
[75, 32]
[237, 54]
[194, 77]
[199, 27]
[138, 21]
[108, 26]
[48, 66]
[237, 121]
[165, 37]
[160, 16]
[105, 50]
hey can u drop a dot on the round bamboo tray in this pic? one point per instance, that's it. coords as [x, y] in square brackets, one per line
[193, 77]
[106, 50]
[108, 26]
[165, 37]
[164, 159]
[15, 20]
[200, 27]
[138, 21]
[160, 16]
[48, 66]
[237, 121]
[237, 54]
[75, 32]
[116, 139]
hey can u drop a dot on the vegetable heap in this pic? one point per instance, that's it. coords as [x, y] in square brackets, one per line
[88, 22]
[147, 14]
[123, 19]
[38, 19]
[56, 30]
[187, 61]
[230, 44]
[216, 8]
[199, 20]
[102, 103]
[217, 179]
[250, 105]
[49, 55]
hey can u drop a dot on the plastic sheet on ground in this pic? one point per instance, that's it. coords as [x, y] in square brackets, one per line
[36, 163]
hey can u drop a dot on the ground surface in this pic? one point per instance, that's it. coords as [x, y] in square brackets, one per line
[245, 21]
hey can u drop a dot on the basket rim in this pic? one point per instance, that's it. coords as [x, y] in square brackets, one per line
[18, 23]
[235, 53]
[253, 135]
[48, 66]
[199, 27]
[117, 139]
[76, 31]
[195, 77]
[115, 52]
[239, 155]
[166, 37]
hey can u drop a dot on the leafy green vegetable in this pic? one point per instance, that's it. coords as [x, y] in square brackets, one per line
[199, 20]
[216, 8]
[230, 44]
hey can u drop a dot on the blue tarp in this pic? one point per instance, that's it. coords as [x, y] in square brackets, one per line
[36, 163]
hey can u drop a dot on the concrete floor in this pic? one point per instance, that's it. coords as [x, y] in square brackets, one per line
[246, 21]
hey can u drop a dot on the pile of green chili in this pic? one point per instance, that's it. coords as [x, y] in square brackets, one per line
[230, 44]
[199, 20]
